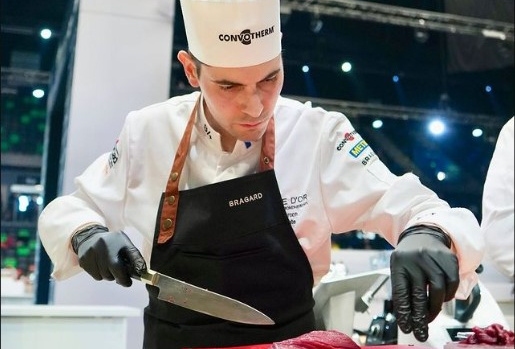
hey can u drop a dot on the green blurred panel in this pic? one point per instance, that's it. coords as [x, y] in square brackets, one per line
[33, 244]
[23, 251]
[5, 146]
[9, 105]
[14, 138]
[9, 262]
[25, 119]
[24, 233]
[30, 101]
[3, 237]
[38, 113]
[23, 124]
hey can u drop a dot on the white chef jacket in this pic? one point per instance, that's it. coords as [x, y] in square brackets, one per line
[497, 217]
[330, 179]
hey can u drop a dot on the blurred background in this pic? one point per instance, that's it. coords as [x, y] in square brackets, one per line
[428, 84]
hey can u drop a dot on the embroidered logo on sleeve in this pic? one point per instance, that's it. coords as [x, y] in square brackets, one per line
[358, 148]
[359, 151]
[369, 158]
[114, 156]
[348, 137]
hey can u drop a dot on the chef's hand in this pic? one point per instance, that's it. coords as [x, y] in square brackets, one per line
[424, 274]
[108, 255]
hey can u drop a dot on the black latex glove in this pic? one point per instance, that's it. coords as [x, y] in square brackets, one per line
[424, 274]
[108, 255]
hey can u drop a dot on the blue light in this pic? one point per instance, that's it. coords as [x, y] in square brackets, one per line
[488, 88]
[395, 78]
[436, 127]
[305, 68]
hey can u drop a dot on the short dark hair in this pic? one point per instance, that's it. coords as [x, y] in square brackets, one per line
[198, 63]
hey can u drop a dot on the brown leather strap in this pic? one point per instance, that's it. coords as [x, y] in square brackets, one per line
[168, 215]
[170, 204]
[266, 160]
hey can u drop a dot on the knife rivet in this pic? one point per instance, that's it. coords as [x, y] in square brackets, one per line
[174, 176]
[167, 224]
[266, 160]
[170, 199]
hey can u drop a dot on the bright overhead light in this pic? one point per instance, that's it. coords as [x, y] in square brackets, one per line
[38, 93]
[477, 132]
[305, 68]
[46, 33]
[23, 203]
[436, 127]
[488, 33]
[377, 123]
[440, 176]
[488, 88]
[346, 67]
[395, 78]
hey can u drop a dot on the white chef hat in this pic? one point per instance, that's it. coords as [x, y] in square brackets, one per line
[233, 33]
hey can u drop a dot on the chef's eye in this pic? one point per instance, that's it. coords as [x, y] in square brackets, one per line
[271, 78]
[226, 87]
[269, 81]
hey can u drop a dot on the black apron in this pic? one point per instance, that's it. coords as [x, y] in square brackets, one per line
[233, 238]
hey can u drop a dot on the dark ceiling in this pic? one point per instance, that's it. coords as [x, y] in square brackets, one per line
[438, 71]
[21, 24]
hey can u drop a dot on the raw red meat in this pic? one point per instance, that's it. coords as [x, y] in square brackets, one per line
[494, 334]
[318, 340]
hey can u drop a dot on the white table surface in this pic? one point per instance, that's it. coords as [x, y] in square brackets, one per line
[11, 310]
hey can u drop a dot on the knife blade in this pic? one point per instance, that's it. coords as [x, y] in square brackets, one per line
[202, 300]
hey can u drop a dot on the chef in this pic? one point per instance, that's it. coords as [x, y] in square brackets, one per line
[238, 190]
[498, 207]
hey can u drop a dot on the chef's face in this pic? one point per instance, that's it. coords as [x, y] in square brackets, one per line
[238, 102]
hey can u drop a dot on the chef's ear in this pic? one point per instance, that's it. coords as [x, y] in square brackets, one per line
[189, 64]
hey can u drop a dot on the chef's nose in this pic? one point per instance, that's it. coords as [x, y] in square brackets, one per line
[253, 104]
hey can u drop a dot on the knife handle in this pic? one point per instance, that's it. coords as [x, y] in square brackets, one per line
[148, 277]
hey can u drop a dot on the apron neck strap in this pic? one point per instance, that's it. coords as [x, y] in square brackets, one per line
[266, 160]
[168, 211]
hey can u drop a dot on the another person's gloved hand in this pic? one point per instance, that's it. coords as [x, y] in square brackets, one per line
[424, 274]
[108, 255]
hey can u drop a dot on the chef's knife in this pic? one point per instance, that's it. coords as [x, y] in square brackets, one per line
[201, 300]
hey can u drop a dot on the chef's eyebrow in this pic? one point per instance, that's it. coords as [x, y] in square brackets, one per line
[233, 83]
